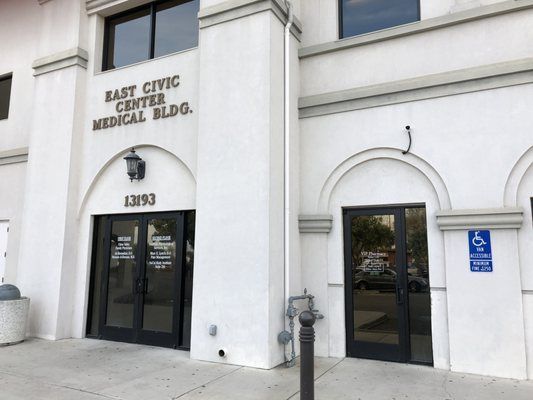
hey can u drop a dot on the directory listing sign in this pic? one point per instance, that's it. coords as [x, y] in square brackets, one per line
[480, 251]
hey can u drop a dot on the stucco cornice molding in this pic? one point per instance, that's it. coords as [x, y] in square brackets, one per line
[315, 223]
[234, 9]
[92, 5]
[486, 77]
[430, 24]
[488, 218]
[64, 59]
[14, 156]
[109, 7]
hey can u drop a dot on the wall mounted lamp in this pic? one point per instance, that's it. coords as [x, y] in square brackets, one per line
[135, 165]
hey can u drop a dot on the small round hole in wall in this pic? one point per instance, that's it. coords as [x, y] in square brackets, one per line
[222, 353]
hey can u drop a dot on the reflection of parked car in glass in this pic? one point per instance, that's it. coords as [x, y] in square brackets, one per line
[419, 270]
[386, 280]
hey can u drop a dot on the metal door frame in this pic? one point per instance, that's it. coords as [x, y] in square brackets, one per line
[3, 250]
[136, 334]
[173, 338]
[379, 351]
[113, 332]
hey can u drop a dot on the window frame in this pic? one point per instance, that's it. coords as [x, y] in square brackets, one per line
[340, 21]
[152, 7]
[5, 77]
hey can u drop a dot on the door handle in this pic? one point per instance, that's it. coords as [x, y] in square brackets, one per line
[399, 295]
[145, 288]
[138, 285]
[141, 285]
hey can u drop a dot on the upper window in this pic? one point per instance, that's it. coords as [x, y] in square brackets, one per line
[364, 16]
[5, 94]
[153, 30]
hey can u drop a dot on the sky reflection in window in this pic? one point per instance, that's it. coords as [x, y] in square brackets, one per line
[176, 28]
[363, 16]
[131, 42]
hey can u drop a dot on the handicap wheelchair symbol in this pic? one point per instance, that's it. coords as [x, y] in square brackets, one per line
[478, 241]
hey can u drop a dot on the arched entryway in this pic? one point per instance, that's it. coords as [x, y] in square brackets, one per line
[387, 253]
[140, 270]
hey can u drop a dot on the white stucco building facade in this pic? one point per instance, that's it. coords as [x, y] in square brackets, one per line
[271, 155]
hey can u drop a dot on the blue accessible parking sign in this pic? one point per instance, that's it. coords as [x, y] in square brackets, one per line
[480, 251]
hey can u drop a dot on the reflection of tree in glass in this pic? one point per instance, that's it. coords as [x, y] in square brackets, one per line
[164, 227]
[369, 233]
[417, 244]
[190, 218]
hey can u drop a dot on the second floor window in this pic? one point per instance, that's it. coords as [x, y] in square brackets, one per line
[5, 95]
[363, 16]
[153, 30]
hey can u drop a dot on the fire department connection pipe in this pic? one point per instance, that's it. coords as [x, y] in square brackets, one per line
[286, 151]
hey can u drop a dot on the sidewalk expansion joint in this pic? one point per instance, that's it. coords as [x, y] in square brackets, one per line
[207, 383]
[55, 385]
[444, 387]
[87, 391]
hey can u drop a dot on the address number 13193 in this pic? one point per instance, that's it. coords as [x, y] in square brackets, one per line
[138, 200]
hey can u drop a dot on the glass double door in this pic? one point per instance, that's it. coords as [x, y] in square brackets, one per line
[143, 283]
[388, 308]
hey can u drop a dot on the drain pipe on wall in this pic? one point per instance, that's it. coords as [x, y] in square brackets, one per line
[286, 153]
[287, 336]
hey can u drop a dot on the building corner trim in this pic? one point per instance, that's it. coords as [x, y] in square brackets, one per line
[63, 59]
[320, 223]
[489, 218]
[235, 9]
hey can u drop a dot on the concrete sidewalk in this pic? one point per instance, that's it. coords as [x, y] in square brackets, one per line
[94, 370]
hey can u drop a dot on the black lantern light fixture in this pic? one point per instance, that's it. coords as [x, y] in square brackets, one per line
[136, 166]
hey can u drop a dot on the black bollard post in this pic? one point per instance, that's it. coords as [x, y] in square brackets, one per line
[307, 355]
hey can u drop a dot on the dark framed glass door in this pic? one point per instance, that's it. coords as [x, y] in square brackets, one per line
[387, 299]
[145, 278]
[120, 301]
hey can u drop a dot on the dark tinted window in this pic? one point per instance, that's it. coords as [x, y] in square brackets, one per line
[176, 27]
[5, 94]
[129, 39]
[154, 30]
[363, 16]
